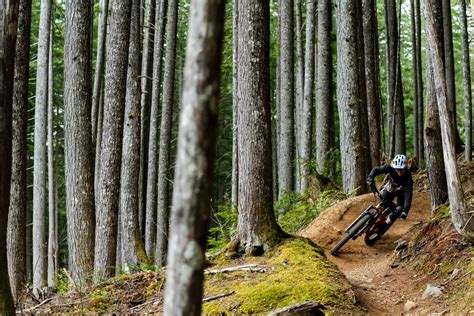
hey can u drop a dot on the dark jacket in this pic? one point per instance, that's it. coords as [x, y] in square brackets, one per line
[404, 182]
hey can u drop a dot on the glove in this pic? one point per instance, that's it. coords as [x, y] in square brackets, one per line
[403, 215]
[371, 184]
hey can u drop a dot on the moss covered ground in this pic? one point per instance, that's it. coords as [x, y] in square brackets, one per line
[296, 271]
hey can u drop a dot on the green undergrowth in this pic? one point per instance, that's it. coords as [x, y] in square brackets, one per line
[295, 210]
[296, 271]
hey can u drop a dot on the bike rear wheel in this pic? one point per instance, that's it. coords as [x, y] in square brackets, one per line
[375, 233]
[351, 233]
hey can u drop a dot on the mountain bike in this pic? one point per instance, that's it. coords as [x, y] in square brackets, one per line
[372, 222]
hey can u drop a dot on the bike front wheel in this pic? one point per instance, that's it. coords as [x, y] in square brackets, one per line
[351, 233]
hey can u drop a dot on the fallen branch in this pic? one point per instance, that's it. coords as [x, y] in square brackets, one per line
[218, 296]
[306, 308]
[36, 306]
[245, 267]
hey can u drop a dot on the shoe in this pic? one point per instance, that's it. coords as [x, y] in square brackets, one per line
[388, 221]
[403, 215]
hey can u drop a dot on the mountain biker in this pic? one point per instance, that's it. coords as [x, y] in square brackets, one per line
[399, 185]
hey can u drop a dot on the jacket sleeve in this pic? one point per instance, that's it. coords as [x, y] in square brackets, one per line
[408, 195]
[384, 169]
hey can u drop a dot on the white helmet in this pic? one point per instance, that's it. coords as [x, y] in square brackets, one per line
[399, 162]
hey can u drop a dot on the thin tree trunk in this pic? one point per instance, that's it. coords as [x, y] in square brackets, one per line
[306, 126]
[79, 159]
[299, 95]
[257, 229]
[8, 31]
[133, 249]
[52, 204]
[287, 103]
[16, 232]
[235, 105]
[462, 218]
[99, 66]
[419, 85]
[39, 174]
[150, 224]
[371, 75]
[450, 71]
[195, 159]
[466, 71]
[165, 135]
[111, 152]
[324, 90]
[145, 103]
[416, 119]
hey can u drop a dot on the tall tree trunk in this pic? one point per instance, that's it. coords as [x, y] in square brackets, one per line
[461, 217]
[99, 66]
[39, 169]
[299, 94]
[150, 225]
[52, 203]
[8, 31]
[111, 152]
[352, 156]
[395, 109]
[287, 108]
[363, 88]
[433, 145]
[195, 159]
[371, 75]
[306, 126]
[449, 70]
[145, 103]
[16, 233]
[324, 90]
[133, 250]
[165, 135]
[416, 119]
[79, 159]
[257, 229]
[235, 104]
[419, 85]
[466, 71]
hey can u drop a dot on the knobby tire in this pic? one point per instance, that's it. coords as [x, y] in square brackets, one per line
[351, 233]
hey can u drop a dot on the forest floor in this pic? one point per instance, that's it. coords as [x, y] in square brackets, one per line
[383, 282]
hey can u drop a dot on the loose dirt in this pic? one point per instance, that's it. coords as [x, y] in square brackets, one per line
[381, 286]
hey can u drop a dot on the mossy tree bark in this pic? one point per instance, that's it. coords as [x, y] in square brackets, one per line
[8, 31]
[16, 234]
[257, 229]
[195, 159]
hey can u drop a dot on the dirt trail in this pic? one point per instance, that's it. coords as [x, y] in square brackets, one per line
[382, 287]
